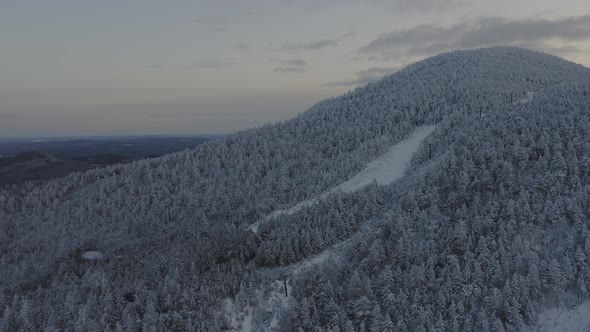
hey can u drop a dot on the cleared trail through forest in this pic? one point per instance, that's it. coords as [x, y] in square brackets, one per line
[384, 170]
[271, 300]
[562, 319]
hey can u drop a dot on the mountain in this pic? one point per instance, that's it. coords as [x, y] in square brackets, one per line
[487, 226]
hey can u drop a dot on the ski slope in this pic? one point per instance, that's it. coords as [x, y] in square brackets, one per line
[384, 170]
[563, 320]
[390, 166]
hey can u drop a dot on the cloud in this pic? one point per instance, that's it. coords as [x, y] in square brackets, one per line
[312, 45]
[289, 70]
[215, 22]
[155, 66]
[212, 64]
[424, 5]
[9, 115]
[393, 6]
[490, 31]
[291, 62]
[242, 47]
[296, 62]
[317, 44]
[213, 19]
[365, 76]
[566, 49]
[290, 65]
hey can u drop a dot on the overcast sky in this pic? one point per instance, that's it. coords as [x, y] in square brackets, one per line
[214, 66]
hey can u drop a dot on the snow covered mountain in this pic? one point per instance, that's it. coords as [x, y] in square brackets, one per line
[487, 226]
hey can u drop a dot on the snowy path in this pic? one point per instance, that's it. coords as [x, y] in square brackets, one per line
[391, 165]
[563, 320]
[271, 301]
[384, 170]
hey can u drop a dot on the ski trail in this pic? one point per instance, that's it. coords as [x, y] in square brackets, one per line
[384, 170]
[239, 319]
[576, 319]
[391, 165]
[272, 303]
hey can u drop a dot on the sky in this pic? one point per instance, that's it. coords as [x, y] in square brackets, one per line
[134, 67]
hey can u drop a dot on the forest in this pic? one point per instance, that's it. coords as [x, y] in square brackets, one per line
[488, 225]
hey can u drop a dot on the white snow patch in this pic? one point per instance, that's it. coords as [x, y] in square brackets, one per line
[391, 165]
[563, 320]
[276, 303]
[272, 303]
[92, 255]
[528, 98]
[240, 320]
[384, 170]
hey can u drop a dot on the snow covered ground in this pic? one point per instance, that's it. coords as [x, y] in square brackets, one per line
[563, 320]
[240, 319]
[391, 165]
[270, 303]
[384, 170]
[92, 255]
[529, 98]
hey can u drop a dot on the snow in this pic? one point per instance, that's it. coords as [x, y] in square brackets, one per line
[563, 320]
[276, 302]
[92, 255]
[272, 303]
[528, 98]
[240, 320]
[384, 170]
[390, 166]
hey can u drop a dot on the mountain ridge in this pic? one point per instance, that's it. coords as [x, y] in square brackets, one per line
[173, 256]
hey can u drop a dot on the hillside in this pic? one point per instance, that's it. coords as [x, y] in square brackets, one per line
[487, 226]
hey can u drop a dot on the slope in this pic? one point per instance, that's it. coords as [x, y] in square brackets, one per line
[482, 242]
[383, 170]
[576, 319]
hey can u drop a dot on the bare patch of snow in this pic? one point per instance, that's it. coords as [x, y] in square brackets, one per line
[240, 320]
[384, 170]
[271, 304]
[391, 165]
[528, 98]
[563, 320]
[276, 303]
[92, 255]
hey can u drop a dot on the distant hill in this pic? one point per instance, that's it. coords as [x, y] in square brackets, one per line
[479, 224]
[40, 160]
[131, 147]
